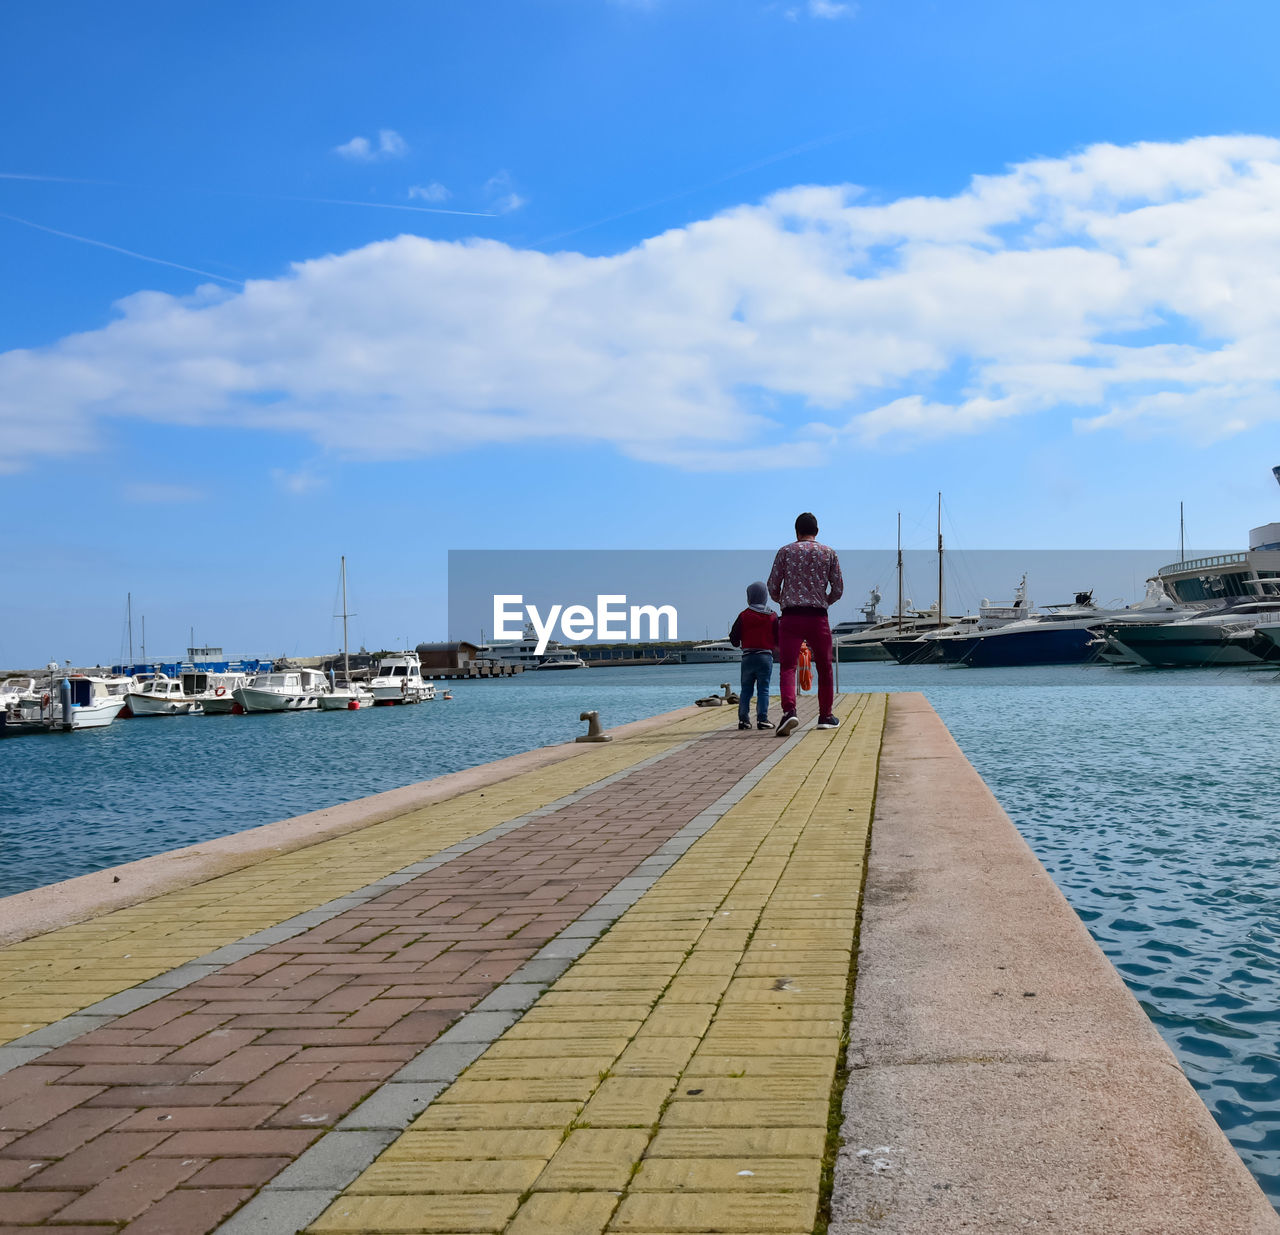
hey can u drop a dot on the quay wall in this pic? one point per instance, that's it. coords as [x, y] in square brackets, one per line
[55, 905]
[1002, 1076]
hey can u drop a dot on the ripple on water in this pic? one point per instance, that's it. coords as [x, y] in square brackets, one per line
[1160, 830]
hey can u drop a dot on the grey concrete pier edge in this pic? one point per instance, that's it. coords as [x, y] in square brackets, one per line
[1003, 1078]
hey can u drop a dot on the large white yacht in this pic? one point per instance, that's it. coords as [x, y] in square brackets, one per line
[283, 690]
[928, 645]
[399, 680]
[720, 651]
[1233, 600]
[524, 651]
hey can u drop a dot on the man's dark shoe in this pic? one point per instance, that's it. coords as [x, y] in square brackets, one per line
[788, 724]
[764, 724]
[829, 722]
[744, 724]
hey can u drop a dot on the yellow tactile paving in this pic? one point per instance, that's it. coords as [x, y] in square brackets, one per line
[678, 1077]
[53, 975]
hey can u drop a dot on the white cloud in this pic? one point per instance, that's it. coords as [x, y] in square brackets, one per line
[500, 193]
[830, 9]
[300, 482]
[389, 145]
[433, 192]
[824, 10]
[1132, 289]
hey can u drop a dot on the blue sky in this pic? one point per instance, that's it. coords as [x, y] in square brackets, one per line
[641, 329]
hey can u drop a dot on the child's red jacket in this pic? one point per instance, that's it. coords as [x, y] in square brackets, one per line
[753, 631]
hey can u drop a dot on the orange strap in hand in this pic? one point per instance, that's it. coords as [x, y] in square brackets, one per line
[804, 672]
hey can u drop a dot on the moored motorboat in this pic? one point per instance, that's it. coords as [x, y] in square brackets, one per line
[214, 692]
[286, 690]
[347, 697]
[562, 660]
[77, 701]
[399, 680]
[161, 696]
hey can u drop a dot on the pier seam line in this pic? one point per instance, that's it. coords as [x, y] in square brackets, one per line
[28, 1048]
[317, 1177]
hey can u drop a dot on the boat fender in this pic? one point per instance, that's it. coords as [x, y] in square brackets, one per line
[44, 699]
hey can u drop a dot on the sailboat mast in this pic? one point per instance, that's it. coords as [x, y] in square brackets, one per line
[144, 638]
[346, 657]
[1182, 535]
[940, 594]
[128, 608]
[899, 572]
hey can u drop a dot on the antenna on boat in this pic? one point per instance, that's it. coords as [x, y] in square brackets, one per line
[939, 560]
[899, 572]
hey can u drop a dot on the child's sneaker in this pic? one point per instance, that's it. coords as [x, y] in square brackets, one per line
[744, 724]
[829, 722]
[788, 724]
[764, 724]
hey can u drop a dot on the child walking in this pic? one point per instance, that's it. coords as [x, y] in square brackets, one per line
[755, 631]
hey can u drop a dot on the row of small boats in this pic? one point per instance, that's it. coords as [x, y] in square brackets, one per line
[67, 701]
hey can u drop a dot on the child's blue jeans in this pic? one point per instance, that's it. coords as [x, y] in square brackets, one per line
[757, 673]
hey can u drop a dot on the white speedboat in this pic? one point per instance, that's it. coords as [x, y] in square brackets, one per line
[399, 680]
[347, 697]
[562, 660]
[91, 704]
[282, 690]
[162, 696]
[214, 692]
[719, 651]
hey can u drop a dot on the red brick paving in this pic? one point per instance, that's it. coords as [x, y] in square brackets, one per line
[173, 1116]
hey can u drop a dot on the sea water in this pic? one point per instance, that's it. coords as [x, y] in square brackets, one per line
[1150, 796]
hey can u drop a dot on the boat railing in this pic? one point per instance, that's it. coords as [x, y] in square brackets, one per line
[1201, 563]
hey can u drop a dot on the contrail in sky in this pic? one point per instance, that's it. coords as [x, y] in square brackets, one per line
[278, 197]
[813, 144]
[115, 248]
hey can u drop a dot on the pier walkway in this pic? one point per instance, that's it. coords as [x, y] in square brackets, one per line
[640, 953]
[602, 988]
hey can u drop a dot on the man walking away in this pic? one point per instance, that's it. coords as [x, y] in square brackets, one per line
[755, 631]
[806, 581]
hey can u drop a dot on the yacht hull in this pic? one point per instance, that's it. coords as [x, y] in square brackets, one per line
[854, 653]
[1187, 647]
[913, 651]
[1018, 648]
